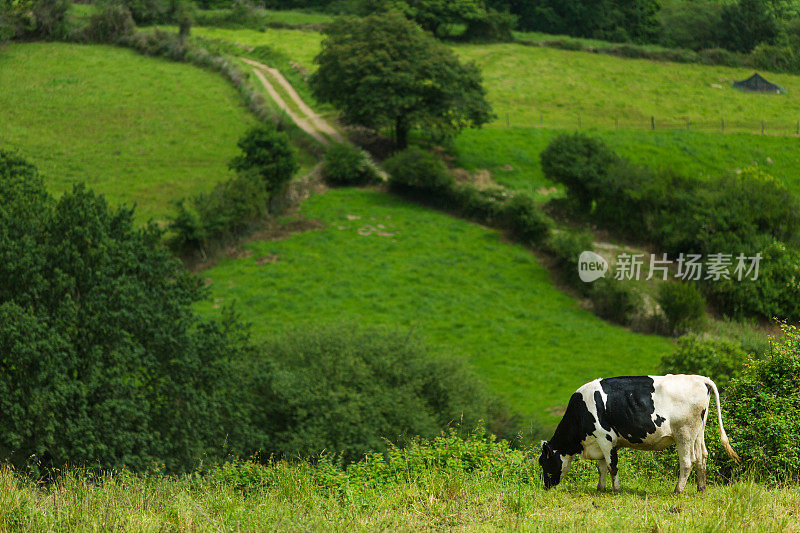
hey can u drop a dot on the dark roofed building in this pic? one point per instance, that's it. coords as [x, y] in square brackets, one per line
[756, 83]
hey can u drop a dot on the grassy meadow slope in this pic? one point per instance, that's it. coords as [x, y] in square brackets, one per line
[530, 84]
[380, 260]
[134, 128]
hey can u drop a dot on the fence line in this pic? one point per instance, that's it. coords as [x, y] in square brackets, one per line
[654, 123]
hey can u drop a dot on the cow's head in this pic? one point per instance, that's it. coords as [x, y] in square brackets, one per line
[554, 465]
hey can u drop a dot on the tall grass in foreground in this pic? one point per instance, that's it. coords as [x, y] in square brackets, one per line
[297, 496]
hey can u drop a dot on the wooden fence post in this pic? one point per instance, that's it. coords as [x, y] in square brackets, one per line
[687, 123]
[652, 122]
[723, 125]
[763, 126]
[508, 121]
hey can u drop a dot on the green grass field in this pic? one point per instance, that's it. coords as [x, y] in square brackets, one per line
[134, 128]
[380, 260]
[512, 154]
[299, 45]
[290, 500]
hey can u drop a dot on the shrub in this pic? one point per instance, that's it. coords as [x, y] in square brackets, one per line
[615, 301]
[525, 220]
[565, 44]
[762, 411]
[345, 164]
[716, 358]
[494, 26]
[720, 56]
[350, 391]
[580, 163]
[484, 205]
[566, 248]
[775, 58]
[414, 170]
[268, 155]
[683, 306]
[110, 25]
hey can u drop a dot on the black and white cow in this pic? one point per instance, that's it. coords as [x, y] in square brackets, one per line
[642, 412]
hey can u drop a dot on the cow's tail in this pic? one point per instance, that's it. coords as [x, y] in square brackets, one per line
[722, 435]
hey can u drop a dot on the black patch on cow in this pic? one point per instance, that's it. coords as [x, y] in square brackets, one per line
[614, 459]
[608, 437]
[703, 415]
[576, 424]
[659, 420]
[629, 408]
[710, 390]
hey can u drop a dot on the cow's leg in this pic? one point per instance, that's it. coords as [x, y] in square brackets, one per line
[701, 457]
[602, 469]
[610, 459]
[612, 467]
[685, 445]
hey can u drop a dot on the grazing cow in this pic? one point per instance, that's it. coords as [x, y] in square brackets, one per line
[642, 412]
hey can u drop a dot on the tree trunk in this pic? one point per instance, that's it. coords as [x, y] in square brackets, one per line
[401, 133]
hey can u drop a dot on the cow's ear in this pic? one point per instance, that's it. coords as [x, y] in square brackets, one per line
[546, 449]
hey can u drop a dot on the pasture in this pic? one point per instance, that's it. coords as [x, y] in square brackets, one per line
[291, 497]
[380, 260]
[137, 129]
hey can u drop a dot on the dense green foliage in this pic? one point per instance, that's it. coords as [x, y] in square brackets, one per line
[345, 164]
[683, 306]
[763, 407]
[739, 215]
[264, 167]
[384, 71]
[37, 19]
[349, 391]
[580, 163]
[615, 301]
[414, 170]
[611, 20]
[716, 358]
[104, 360]
[267, 155]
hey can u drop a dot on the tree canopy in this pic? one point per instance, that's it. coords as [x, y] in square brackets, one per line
[385, 71]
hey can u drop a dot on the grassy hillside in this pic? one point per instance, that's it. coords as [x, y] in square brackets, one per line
[512, 154]
[526, 82]
[134, 128]
[379, 260]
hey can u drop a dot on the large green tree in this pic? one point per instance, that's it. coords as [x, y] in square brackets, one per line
[385, 71]
[103, 360]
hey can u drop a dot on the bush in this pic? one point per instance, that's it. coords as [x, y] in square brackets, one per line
[345, 164]
[484, 205]
[267, 154]
[350, 391]
[720, 56]
[565, 44]
[525, 220]
[566, 248]
[775, 58]
[580, 163]
[683, 306]
[615, 301]
[716, 358]
[110, 25]
[762, 411]
[414, 170]
[494, 26]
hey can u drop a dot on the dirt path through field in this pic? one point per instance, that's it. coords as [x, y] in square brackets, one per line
[311, 123]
